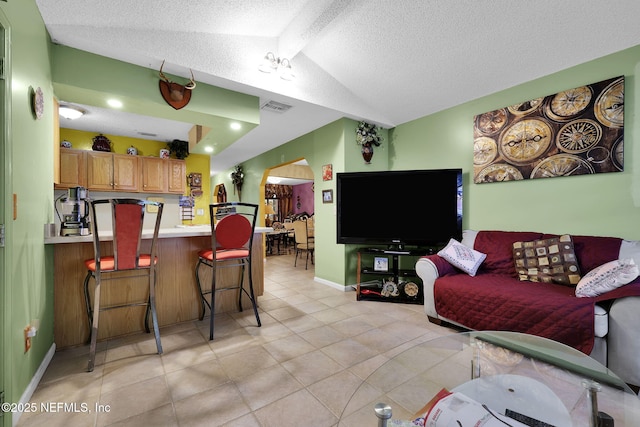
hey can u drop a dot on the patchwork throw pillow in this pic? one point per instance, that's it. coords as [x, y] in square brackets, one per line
[548, 260]
[607, 277]
[462, 257]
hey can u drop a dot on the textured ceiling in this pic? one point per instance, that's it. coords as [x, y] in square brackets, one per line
[384, 61]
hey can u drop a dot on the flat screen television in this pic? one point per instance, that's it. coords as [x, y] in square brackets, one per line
[399, 208]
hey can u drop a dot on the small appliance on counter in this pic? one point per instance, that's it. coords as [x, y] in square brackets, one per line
[73, 211]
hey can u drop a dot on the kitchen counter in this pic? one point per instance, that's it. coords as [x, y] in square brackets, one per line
[177, 297]
[177, 231]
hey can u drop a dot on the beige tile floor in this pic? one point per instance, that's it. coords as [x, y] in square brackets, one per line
[315, 346]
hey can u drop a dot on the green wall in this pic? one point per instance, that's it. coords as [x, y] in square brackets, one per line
[603, 204]
[28, 293]
[332, 144]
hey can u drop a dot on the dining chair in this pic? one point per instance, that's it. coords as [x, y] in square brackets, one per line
[127, 217]
[290, 237]
[304, 243]
[231, 247]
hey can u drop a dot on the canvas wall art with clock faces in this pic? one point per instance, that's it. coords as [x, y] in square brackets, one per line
[578, 131]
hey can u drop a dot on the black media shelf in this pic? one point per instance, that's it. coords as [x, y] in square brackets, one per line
[380, 278]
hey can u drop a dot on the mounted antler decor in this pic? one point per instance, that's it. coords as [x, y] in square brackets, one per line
[175, 94]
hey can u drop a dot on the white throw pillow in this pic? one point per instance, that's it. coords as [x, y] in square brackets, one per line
[607, 277]
[462, 257]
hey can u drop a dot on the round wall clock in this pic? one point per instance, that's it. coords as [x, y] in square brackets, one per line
[37, 103]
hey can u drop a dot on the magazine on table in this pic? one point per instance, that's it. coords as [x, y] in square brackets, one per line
[455, 409]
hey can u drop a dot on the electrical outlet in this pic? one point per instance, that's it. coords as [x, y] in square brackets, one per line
[200, 212]
[27, 338]
[29, 332]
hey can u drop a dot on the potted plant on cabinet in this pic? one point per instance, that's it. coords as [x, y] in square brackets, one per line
[179, 148]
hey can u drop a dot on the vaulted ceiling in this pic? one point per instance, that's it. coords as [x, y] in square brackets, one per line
[384, 61]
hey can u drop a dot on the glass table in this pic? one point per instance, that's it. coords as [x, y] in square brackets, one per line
[527, 375]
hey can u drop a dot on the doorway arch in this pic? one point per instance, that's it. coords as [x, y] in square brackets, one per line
[290, 173]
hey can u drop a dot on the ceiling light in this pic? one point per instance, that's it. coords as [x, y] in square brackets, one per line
[208, 149]
[285, 71]
[235, 126]
[114, 103]
[70, 112]
[282, 66]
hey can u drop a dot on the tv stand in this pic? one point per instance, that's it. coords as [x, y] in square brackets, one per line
[389, 282]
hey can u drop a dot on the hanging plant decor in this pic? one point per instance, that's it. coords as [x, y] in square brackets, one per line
[237, 177]
[367, 136]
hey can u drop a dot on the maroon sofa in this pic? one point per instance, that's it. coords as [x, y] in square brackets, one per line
[496, 299]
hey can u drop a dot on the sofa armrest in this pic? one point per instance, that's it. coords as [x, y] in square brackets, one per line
[429, 268]
[623, 340]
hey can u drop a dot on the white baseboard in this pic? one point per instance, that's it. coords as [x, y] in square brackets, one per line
[33, 384]
[333, 284]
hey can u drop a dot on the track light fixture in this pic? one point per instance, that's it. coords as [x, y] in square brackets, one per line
[282, 66]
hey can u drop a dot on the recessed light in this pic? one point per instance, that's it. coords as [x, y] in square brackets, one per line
[114, 103]
[208, 149]
[235, 126]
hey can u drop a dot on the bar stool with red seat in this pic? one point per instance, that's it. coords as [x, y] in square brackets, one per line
[232, 229]
[127, 216]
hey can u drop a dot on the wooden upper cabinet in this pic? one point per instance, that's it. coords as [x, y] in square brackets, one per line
[73, 169]
[112, 172]
[177, 176]
[99, 171]
[102, 171]
[125, 172]
[154, 171]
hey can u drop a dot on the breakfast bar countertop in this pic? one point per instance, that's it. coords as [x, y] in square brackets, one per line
[177, 298]
[177, 231]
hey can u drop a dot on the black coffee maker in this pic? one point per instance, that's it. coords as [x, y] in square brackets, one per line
[73, 211]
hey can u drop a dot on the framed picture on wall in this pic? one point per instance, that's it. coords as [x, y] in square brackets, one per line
[327, 196]
[327, 172]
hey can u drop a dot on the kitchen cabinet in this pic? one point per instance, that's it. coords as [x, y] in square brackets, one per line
[112, 172]
[163, 175]
[73, 168]
[154, 170]
[177, 176]
[103, 171]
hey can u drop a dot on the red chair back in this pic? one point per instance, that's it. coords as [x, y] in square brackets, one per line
[127, 216]
[233, 232]
[127, 220]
